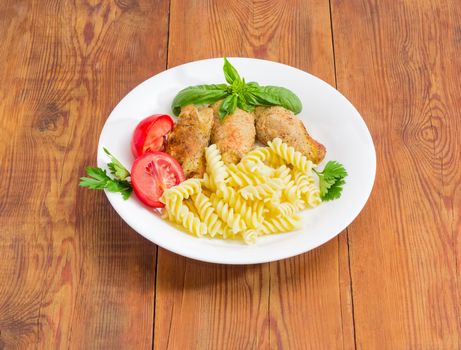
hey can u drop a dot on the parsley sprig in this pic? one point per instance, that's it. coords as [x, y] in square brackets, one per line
[99, 179]
[331, 180]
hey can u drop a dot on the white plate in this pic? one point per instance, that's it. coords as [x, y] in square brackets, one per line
[329, 117]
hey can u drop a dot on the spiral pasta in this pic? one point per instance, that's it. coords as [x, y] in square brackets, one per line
[250, 236]
[280, 224]
[241, 206]
[312, 196]
[283, 173]
[191, 206]
[260, 195]
[301, 181]
[207, 214]
[215, 166]
[227, 214]
[284, 209]
[290, 192]
[181, 215]
[253, 161]
[290, 155]
[263, 191]
[182, 191]
[263, 155]
[239, 176]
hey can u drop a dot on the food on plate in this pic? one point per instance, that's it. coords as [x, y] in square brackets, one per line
[235, 135]
[152, 174]
[150, 134]
[276, 121]
[233, 190]
[248, 209]
[190, 136]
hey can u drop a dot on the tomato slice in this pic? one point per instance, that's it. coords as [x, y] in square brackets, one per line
[152, 173]
[150, 134]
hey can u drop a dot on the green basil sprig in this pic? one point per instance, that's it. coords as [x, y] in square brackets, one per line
[237, 93]
[199, 94]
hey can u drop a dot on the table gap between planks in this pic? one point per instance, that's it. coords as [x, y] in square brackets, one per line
[73, 275]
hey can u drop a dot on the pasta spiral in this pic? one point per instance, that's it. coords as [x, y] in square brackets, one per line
[253, 161]
[250, 236]
[290, 155]
[227, 214]
[183, 216]
[280, 224]
[240, 177]
[312, 196]
[182, 191]
[215, 166]
[241, 206]
[260, 195]
[290, 192]
[284, 209]
[302, 182]
[190, 205]
[207, 214]
[263, 191]
[283, 173]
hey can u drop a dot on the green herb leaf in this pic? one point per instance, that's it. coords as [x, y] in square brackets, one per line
[277, 96]
[247, 95]
[242, 104]
[334, 192]
[228, 106]
[199, 94]
[334, 169]
[230, 73]
[116, 168]
[98, 178]
[122, 186]
[331, 180]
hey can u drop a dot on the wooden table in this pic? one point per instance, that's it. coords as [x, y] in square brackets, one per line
[74, 275]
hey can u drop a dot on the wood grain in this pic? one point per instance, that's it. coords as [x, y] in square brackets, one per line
[400, 68]
[302, 302]
[72, 274]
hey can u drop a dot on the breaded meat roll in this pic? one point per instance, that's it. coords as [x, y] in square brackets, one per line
[235, 135]
[189, 138]
[276, 121]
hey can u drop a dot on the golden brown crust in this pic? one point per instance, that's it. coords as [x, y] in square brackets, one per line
[189, 138]
[235, 135]
[272, 122]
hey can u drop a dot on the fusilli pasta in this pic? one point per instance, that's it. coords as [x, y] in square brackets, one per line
[215, 167]
[260, 195]
[290, 155]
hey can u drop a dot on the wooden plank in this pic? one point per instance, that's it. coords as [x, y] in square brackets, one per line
[299, 303]
[398, 61]
[72, 274]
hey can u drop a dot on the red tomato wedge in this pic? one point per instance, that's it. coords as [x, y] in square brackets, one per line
[150, 134]
[152, 173]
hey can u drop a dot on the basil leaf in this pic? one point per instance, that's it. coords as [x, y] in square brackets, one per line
[252, 85]
[228, 106]
[277, 96]
[242, 104]
[230, 73]
[199, 94]
[251, 99]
